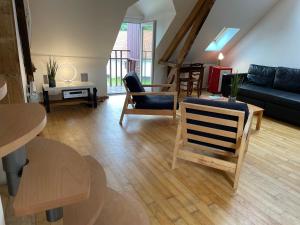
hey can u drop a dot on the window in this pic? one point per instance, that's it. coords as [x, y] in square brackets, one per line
[222, 39]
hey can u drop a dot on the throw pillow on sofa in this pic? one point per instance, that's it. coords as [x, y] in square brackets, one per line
[287, 79]
[261, 75]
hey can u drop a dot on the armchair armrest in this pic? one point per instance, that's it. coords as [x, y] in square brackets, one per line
[226, 83]
[152, 93]
[247, 131]
[159, 85]
[247, 128]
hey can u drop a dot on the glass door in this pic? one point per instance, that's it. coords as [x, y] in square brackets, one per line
[133, 51]
[147, 52]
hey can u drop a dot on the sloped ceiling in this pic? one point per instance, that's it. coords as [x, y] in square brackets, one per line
[134, 14]
[243, 14]
[155, 7]
[161, 11]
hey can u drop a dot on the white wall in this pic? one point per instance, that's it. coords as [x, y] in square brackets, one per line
[161, 11]
[79, 32]
[134, 14]
[163, 22]
[273, 41]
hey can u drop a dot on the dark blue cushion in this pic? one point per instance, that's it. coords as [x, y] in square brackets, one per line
[287, 79]
[156, 102]
[261, 75]
[134, 85]
[221, 104]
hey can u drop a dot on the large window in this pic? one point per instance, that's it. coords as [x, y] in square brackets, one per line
[222, 39]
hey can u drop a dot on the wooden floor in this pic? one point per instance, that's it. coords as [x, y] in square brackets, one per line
[137, 157]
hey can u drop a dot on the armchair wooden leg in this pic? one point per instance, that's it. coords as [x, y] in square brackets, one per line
[175, 156]
[175, 107]
[124, 109]
[174, 116]
[177, 146]
[238, 169]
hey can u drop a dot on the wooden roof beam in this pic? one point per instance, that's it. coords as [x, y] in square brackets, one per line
[198, 23]
[182, 31]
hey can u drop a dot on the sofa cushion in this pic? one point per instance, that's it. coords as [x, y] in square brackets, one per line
[287, 79]
[134, 85]
[261, 75]
[221, 104]
[156, 102]
[288, 99]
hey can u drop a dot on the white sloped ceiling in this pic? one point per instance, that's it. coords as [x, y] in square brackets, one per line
[243, 14]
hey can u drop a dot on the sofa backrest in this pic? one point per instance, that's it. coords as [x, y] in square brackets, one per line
[287, 79]
[261, 75]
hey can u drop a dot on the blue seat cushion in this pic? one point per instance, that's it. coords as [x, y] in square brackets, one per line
[134, 85]
[156, 102]
[220, 104]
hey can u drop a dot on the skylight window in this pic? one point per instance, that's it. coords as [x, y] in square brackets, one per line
[222, 39]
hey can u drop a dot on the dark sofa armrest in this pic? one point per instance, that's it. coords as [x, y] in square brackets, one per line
[226, 83]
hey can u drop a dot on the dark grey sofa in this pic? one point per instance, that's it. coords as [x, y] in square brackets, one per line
[276, 89]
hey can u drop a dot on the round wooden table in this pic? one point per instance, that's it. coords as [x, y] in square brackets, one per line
[55, 176]
[20, 123]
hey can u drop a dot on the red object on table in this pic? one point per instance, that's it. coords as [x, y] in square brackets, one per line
[215, 77]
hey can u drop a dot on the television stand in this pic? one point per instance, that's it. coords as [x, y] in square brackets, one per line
[70, 91]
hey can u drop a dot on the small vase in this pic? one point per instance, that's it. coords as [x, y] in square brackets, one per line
[52, 82]
[232, 99]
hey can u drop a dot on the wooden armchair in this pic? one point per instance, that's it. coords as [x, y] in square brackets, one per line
[147, 103]
[215, 134]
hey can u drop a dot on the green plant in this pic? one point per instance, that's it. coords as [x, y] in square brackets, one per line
[52, 68]
[235, 85]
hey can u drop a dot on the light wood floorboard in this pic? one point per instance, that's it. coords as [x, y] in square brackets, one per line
[137, 159]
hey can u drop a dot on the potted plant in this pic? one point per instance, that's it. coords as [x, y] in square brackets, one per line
[52, 68]
[236, 81]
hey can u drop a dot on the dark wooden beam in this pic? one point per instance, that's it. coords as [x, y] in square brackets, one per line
[182, 31]
[192, 35]
[9, 57]
[195, 22]
[22, 25]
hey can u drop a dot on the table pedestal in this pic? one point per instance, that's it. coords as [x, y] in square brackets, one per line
[54, 215]
[13, 165]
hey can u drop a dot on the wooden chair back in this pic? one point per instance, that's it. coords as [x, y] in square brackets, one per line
[222, 135]
[213, 129]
